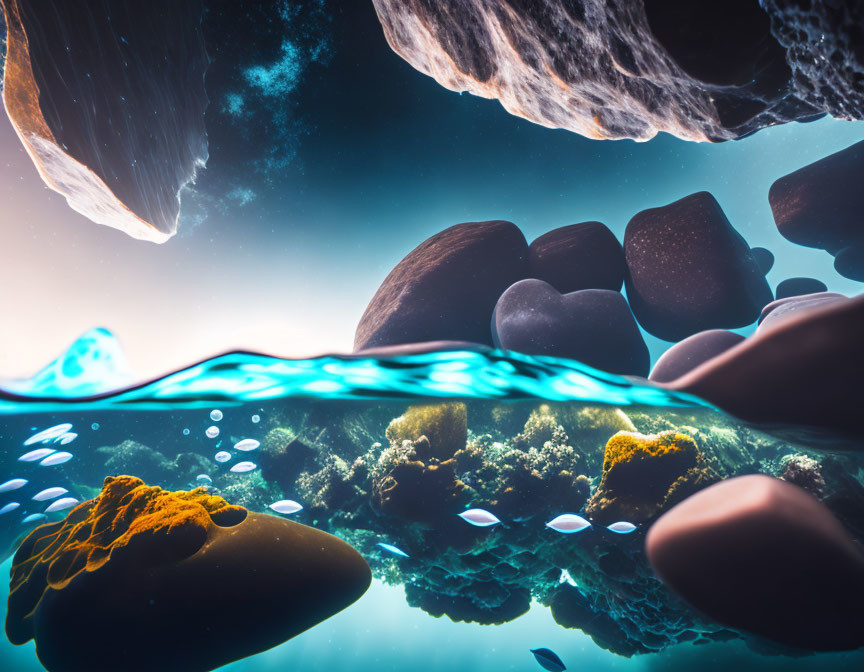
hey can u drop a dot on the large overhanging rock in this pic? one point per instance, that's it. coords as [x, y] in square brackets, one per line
[609, 69]
[108, 99]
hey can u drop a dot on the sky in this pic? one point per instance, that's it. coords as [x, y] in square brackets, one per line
[330, 159]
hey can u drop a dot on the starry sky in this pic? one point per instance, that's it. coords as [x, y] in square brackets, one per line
[330, 159]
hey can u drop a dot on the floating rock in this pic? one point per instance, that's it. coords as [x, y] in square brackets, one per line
[153, 573]
[579, 256]
[612, 70]
[820, 206]
[644, 475]
[118, 143]
[593, 326]
[849, 262]
[686, 355]
[802, 370]
[764, 556]
[445, 427]
[799, 287]
[446, 288]
[796, 306]
[764, 258]
[689, 270]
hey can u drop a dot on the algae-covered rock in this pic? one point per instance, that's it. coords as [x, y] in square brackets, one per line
[444, 425]
[141, 578]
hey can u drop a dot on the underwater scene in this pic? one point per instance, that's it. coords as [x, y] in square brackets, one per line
[406, 335]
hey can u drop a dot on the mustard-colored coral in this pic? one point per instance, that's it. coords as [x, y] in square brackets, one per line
[444, 425]
[626, 447]
[125, 510]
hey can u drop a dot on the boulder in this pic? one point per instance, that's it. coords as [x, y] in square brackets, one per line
[764, 258]
[446, 288]
[686, 355]
[795, 306]
[579, 256]
[593, 326]
[689, 270]
[849, 262]
[764, 556]
[799, 287]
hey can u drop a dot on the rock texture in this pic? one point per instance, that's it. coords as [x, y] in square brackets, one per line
[686, 355]
[799, 287]
[594, 326]
[446, 288]
[712, 70]
[820, 206]
[579, 256]
[766, 557]
[160, 576]
[689, 270]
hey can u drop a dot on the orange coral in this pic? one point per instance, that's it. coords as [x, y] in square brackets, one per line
[626, 447]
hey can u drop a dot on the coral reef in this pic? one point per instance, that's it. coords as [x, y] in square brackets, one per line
[150, 567]
[445, 427]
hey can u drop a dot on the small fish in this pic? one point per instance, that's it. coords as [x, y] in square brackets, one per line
[62, 504]
[243, 467]
[37, 454]
[283, 505]
[55, 459]
[66, 438]
[212, 432]
[479, 517]
[215, 415]
[11, 506]
[14, 484]
[50, 493]
[247, 444]
[392, 549]
[33, 517]
[48, 434]
[549, 660]
[568, 523]
[222, 456]
[203, 478]
[621, 527]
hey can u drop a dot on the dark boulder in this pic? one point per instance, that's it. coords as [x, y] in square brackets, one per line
[686, 355]
[799, 287]
[446, 288]
[795, 306]
[766, 557]
[689, 270]
[821, 205]
[579, 256]
[593, 326]
[764, 258]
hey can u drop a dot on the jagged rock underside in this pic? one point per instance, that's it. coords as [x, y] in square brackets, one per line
[611, 69]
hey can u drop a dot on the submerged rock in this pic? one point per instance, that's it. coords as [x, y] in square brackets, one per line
[763, 556]
[594, 326]
[689, 270]
[116, 139]
[446, 288]
[161, 574]
[579, 256]
[445, 427]
[795, 306]
[709, 70]
[764, 258]
[799, 287]
[694, 350]
[820, 206]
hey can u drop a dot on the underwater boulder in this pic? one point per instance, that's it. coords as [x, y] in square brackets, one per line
[686, 355]
[820, 205]
[579, 256]
[484, 602]
[849, 262]
[160, 576]
[593, 326]
[645, 474]
[803, 369]
[795, 306]
[764, 259]
[709, 70]
[445, 427]
[689, 270]
[446, 288]
[799, 287]
[766, 557]
[118, 142]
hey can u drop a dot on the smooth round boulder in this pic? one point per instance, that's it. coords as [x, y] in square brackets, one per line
[579, 256]
[764, 259]
[446, 288]
[849, 262]
[795, 306]
[686, 355]
[689, 270]
[766, 557]
[140, 578]
[593, 326]
[799, 287]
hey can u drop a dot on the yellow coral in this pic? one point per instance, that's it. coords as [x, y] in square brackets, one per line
[625, 447]
[444, 425]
